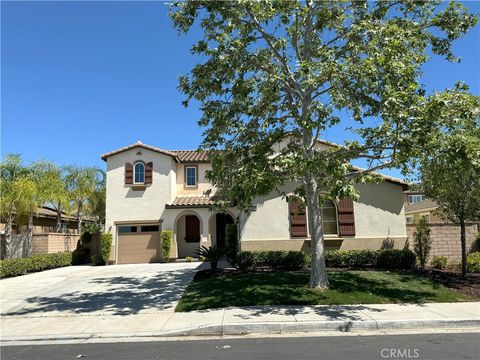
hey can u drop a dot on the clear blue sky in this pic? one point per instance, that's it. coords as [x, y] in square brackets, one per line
[83, 78]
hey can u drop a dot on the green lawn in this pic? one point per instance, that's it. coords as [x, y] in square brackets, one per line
[290, 288]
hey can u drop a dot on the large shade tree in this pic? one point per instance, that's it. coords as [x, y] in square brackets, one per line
[272, 68]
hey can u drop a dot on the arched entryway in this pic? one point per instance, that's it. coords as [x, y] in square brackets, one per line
[188, 230]
[217, 226]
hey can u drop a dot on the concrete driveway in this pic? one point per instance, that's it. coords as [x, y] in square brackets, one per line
[81, 302]
[101, 290]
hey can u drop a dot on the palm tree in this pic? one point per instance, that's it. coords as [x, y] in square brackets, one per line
[82, 183]
[11, 172]
[57, 193]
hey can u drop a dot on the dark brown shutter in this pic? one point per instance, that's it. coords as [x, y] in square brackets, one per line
[298, 217]
[128, 173]
[148, 173]
[346, 219]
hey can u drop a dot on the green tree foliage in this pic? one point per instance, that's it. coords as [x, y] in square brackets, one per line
[106, 246]
[422, 243]
[450, 168]
[275, 68]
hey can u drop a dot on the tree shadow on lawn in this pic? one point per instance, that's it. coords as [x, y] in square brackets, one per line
[277, 288]
[119, 295]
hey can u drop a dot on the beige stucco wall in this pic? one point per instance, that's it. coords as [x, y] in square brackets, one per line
[124, 203]
[203, 184]
[379, 222]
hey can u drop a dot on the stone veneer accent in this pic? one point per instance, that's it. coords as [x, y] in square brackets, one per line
[446, 240]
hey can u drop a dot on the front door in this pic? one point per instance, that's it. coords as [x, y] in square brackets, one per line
[192, 229]
[222, 220]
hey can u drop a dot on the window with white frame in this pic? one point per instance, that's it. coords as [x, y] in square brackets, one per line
[416, 198]
[191, 176]
[139, 173]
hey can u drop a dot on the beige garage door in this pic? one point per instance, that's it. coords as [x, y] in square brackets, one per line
[139, 244]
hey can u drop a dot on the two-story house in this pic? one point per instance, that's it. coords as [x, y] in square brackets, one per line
[151, 189]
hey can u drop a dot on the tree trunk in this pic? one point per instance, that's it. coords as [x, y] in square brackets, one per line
[8, 236]
[464, 247]
[28, 245]
[58, 224]
[79, 218]
[318, 275]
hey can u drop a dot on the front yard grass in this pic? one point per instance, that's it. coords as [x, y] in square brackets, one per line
[290, 288]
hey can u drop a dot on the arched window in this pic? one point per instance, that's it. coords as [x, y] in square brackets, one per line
[139, 170]
[329, 218]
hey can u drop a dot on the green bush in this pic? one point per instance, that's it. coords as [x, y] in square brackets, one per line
[294, 260]
[352, 258]
[422, 243]
[478, 241]
[38, 262]
[439, 262]
[167, 237]
[231, 243]
[97, 260]
[246, 260]
[211, 254]
[106, 246]
[396, 259]
[473, 262]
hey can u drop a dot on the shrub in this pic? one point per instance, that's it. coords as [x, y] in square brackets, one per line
[352, 258]
[97, 260]
[473, 262]
[38, 262]
[231, 243]
[81, 255]
[212, 254]
[167, 237]
[245, 260]
[396, 259]
[294, 260]
[422, 242]
[439, 262]
[106, 246]
[188, 259]
[478, 241]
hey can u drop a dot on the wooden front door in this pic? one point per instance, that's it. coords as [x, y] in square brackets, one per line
[192, 228]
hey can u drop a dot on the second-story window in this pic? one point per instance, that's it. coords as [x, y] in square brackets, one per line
[139, 170]
[191, 176]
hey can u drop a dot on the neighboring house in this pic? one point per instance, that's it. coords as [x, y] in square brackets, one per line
[444, 234]
[151, 189]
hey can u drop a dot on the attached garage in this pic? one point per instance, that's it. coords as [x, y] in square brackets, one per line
[138, 243]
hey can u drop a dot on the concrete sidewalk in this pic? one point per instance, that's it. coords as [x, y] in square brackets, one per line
[240, 321]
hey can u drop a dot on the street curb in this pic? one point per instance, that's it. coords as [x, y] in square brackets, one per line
[266, 328]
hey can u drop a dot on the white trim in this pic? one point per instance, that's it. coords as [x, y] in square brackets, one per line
[134, 172]
[196, 176]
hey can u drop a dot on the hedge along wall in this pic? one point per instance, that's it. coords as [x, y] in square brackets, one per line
[38, 262]
[446, 240]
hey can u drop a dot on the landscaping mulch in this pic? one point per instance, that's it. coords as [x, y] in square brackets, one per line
[454, 280]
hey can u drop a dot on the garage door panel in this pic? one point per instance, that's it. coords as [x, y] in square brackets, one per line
[136, 248]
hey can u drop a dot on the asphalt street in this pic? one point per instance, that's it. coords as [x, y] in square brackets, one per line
[433, 346]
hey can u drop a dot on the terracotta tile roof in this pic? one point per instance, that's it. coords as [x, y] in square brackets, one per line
[190, 201]
[426, 204]
[137, 144]
[386, 177]
[191, 155]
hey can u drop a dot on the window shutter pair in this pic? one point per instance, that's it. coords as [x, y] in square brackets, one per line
[298, 217]
[129, 173]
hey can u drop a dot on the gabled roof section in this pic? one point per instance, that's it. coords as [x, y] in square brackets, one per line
[138, 144]
[424, 205]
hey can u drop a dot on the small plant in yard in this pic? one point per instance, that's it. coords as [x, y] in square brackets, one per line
[473, 262]
[97, 260]
[189, 259]
[422, 242]
[439, 262]
[167, 237]
[211, 254]
[106, 246]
